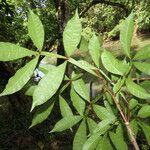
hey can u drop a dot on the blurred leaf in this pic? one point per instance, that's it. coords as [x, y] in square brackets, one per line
[48, 85]
[118, 85]
[66, 123]
[36, 30]
[20, 78]
[9, 51]
[77, 101]
[146, 130]
[134, 127]
[72, 34]
[94, 49]
[80, 137]
[136, 89]
[133, 103]
[144, 112]
[143, 53]
[126, 33]
[143, 67]
[64, 107]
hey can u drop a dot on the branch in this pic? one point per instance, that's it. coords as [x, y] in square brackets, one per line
[95, 2]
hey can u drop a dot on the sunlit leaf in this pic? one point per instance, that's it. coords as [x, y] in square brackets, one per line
[126, 33]
[112, 64]
[20, 78]
[84, 65]
[80, 137]
[72, 34]
[143, 67]
[35, 30]
[136, 89]
[91, 124]
[94, 49]
[144, 112]
[81, 88]
[48, 85]
[64, 107]
[143, 53]
[77, 101]
[84, 45]
[66, 123]
[9, 51]
[30, 90]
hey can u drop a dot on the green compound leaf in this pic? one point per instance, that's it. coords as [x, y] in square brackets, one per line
[66, 123]
[80, 137]
[9, 51]
[126, 33]
[77, 101]
[144, 112]
[143, 53]
[81, 88]
[35, 30]
[136, 89]
[143, 67]
[94, 49]
[72, 34]
[20, 78]
[42, 113]
[64, 107]
[48, 85]
[112, 64]
[84, 65]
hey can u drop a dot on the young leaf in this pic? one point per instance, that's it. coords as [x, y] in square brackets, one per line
[126, 33]
[92, 142]
[144, 112]
[143, 67]
[66, 123]
[20, 78]
[9, 51]
[80, 137]
[48, 85]
[77, 101]
[112, 64]
[91, 124]
[94, 49]
[72, 34]
[64, 107]
[42, 113]
[146, 130]
[136, 89]
[81, 88]
[118, 141]
[35, 30]
[84, 65]
[143, 53]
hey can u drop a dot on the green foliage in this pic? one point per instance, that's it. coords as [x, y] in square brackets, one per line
[104, 117]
